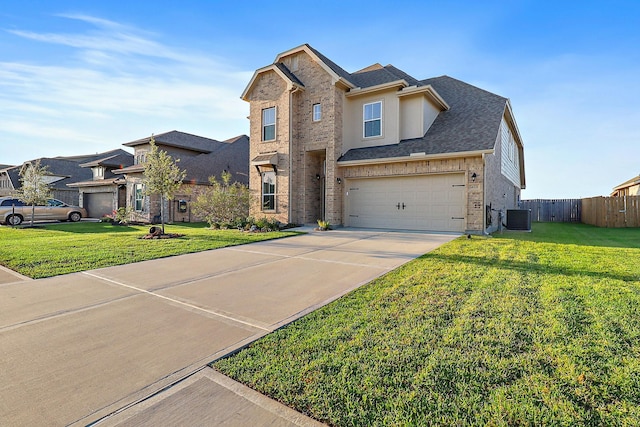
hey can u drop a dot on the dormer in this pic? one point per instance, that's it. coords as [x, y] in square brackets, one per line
[419, 107]
[98, 172]
[387, 107]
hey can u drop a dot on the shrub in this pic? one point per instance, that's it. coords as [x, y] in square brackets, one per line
[222, 203]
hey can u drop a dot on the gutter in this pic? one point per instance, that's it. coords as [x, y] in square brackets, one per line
[413, 157]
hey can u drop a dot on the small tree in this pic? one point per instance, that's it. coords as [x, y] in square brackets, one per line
[34, 190]
[162, 176]
[222, 202]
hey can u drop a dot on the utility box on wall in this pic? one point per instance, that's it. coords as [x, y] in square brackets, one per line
[519, 219]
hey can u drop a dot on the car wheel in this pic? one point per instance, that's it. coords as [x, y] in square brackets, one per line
[14, 220]
[74, 216]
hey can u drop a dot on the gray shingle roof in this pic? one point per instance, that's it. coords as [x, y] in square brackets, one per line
[373, 77]
[70, 167]
[289, 74]
[182, 140]
[471, 124]
[117, 158]
[232, 156]
[335, 67]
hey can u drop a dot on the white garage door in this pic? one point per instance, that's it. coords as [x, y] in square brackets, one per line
[434, 202]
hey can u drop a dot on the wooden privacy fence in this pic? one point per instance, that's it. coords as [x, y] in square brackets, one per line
[554, 210]
[612, 212]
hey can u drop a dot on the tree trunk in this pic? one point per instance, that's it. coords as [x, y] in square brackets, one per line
[33, 213]
[162, 212]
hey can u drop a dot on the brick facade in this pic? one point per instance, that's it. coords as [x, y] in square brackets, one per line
[308, 150]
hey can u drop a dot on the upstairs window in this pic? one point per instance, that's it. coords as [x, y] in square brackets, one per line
[317, 112]
[269, 124]
[98, 172]
[372, 118]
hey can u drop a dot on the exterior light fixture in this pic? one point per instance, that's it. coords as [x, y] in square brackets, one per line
[473, 177]
[318, 176]
[339, 180]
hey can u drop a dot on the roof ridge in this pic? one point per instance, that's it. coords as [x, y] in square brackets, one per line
[376, 66]
[335, 67]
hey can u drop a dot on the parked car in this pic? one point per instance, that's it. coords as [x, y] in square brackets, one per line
[14, 212]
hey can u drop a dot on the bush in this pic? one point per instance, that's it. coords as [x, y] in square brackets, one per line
[222, 203]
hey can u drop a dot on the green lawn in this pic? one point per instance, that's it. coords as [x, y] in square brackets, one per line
[66, 248]
[539, 329]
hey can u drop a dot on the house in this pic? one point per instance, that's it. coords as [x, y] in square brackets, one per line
[627, 188]
[200, 157]
[105, 191]
[62, 174]
[379, 148]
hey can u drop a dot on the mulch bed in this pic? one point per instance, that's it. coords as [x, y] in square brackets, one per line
[156, 233]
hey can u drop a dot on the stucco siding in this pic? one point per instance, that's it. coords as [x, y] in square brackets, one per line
[353, 123]
[411, 117]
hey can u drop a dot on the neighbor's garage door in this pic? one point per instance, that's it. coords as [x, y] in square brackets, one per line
[435, 202]
[98, 204]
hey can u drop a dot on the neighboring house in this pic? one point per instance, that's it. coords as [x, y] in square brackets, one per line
[378, 148]
[627, 188]
[6, 185]
[62, 173]
[105, 191]
[200, 157]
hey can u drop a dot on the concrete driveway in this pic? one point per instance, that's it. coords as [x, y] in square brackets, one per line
[102, 344]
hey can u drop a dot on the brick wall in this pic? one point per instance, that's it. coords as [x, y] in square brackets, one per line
[270, 91]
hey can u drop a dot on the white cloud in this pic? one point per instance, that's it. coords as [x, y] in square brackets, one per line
[115, 84]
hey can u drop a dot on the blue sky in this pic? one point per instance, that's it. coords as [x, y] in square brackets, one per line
[79, 77]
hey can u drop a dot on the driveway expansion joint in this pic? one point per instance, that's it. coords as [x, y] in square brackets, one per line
[176, 301]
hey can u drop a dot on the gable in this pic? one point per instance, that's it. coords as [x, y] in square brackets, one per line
[470, 125]
[267, 84]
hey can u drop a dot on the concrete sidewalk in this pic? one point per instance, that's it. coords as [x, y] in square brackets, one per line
[129, 344]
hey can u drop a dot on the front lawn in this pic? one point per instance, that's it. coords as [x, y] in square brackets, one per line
[535, 329]
[66, 248]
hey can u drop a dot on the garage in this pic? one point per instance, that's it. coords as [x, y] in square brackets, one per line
[98, 204]
[431, 202]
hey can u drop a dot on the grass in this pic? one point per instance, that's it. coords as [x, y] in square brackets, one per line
[539, 329]
[67, 248]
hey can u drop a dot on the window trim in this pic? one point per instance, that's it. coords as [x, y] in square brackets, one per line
[365, 120]
[138, 186]
[263, 194]
[316, 115]
[264, 126]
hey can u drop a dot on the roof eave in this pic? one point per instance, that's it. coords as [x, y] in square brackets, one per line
[290, 84]
[312, 54]
[429, 92]
[358, 91]
[414, 157]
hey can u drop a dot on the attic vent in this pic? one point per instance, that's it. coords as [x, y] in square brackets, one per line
[418, 154]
